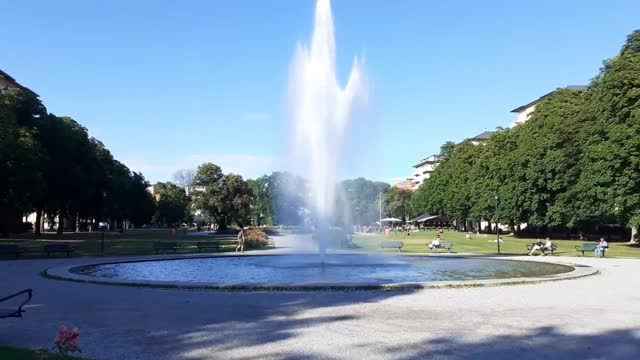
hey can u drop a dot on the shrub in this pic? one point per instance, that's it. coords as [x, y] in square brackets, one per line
[256, 238]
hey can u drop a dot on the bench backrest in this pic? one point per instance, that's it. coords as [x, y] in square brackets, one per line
[588, 247]
[446, 245]
[390, 243]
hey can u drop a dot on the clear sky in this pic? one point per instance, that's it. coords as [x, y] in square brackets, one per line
[171, 84]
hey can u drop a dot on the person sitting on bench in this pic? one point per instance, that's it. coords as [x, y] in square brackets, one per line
[603, 245]
[538, 246]
[435, 243]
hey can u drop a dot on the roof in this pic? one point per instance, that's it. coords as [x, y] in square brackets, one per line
[10, 78]
[482, 136]
[427, 217]
[569, 87]
[431, 159]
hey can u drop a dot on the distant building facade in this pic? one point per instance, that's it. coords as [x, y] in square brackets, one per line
[480, 139]
[423, 171]
[525, 111]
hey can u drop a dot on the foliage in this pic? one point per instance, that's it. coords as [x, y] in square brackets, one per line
[51, 165]
[172, 204]
[575, 161]
[256, 238]
[609, 185]
[397, 203]
[362, 200]
[226, 199]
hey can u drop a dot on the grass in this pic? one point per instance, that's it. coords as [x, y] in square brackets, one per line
[416, 243]
[131, 242]
[12, 353]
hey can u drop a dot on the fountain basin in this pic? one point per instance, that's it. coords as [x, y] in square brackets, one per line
[307, 272]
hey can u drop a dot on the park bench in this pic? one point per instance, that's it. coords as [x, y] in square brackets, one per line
[57, 248]
[208, 245]
[391, 244]
[554, 247]
[10, 249]
[165, 246]
[589, 247]
[15, 311]
[443, 245]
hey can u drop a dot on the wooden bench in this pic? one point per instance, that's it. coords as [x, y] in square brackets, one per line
[11, 249]
[443, 245]
[589, 247]
[391, 244]
[553, 248]
[165, 246]
[57, 248]
[208, 245]
[15, 311]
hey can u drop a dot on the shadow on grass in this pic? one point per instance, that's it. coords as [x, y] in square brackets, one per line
[541, 343]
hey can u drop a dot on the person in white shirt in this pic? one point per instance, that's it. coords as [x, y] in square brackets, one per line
[435, 243]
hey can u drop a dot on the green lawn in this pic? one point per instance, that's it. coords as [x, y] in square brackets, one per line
[11, 353]
[131, 242]
[416, 243]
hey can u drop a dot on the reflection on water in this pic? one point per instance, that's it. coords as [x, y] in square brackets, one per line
[307, 269]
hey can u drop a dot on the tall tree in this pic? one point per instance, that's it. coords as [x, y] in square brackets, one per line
[20, 159]
[610, 181]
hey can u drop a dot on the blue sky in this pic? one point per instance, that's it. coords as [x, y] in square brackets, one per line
[167, 84]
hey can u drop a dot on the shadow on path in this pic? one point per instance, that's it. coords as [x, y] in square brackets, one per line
[542, 343]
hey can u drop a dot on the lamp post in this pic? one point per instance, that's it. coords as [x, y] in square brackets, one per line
[496, 220]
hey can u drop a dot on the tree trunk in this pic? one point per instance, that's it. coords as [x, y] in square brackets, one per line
[222, 224]
[512, 227]
[60, 222]
[635, 234]
[37, 227]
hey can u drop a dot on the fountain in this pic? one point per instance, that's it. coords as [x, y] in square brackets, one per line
[320, 110]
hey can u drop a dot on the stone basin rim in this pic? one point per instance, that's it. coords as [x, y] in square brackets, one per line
[66, 273]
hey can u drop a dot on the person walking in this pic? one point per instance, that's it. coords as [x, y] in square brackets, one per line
[240, 246]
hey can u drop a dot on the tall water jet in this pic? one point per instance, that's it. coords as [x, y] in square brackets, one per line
[321, 111]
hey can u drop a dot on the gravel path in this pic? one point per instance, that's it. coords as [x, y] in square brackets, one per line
[597, 317]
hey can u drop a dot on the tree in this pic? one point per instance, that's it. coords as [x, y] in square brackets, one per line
[185, 178]
[172, 203]
[362, 199]
[609, 182]
[398, 203]
[234, 201]
[207, 174]
[226, 199]
[262, 200]
[20, 159]
[140, 205]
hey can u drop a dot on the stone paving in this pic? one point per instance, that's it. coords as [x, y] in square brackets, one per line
[596, 317]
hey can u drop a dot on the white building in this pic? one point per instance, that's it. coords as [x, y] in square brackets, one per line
[525, 111]
[423, 171]
[481, 138]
